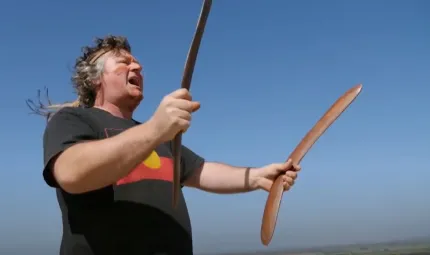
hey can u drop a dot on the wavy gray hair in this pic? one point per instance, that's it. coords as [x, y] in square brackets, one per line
[88, 69]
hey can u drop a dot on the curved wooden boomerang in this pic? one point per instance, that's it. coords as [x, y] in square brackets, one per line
[186, 83]
[275, 195]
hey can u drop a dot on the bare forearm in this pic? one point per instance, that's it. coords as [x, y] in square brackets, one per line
[222, 179]
[93, 165]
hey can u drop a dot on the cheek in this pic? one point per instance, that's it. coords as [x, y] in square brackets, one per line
[121, 71]
[113, 85]
[118, 77]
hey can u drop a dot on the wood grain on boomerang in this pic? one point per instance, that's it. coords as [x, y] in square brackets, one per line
[186, 83]
[275, 195]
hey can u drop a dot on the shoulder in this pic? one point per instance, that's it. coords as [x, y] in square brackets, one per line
[69, 110]
[70, 114]
[68, 118]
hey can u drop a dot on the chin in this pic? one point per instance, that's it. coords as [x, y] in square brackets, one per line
[135, 92]
[137, 96]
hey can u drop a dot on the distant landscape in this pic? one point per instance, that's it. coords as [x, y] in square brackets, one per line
[405, 247]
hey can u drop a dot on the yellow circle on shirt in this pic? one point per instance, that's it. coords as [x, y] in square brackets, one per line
[153, 161]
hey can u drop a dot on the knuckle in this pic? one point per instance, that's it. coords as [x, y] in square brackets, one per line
[170, 110]
[188, 116]
[167, 101]
[185, 124]
[174, 119]
[167, 98]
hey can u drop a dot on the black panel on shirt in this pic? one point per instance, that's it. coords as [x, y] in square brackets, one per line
[133, 216]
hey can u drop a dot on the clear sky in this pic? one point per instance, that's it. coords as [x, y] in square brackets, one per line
[266, 71]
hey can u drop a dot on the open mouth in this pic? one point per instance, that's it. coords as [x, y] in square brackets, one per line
[134, 81]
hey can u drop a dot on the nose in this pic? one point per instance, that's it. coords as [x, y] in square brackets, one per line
[135, 67]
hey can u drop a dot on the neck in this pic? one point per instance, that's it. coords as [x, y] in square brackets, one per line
[115, 110]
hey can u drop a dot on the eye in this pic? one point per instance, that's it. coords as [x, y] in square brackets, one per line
[123, 60]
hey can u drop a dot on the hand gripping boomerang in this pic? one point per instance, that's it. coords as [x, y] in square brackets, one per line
[275, 195]
[186, 83]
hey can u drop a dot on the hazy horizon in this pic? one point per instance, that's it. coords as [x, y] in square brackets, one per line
[53, 249]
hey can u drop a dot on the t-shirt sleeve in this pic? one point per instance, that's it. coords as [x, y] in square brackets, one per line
[190, 161]
[66, 128]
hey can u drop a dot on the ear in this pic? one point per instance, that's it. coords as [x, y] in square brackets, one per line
[96, 84]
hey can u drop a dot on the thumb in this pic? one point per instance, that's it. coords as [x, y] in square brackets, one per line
[280, 168]
[195, 106]
[181, 94]
[285, 166]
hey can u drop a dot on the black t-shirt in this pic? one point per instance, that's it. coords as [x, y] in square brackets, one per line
[133, 216]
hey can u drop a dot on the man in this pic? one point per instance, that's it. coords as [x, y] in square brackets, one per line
[113, 174]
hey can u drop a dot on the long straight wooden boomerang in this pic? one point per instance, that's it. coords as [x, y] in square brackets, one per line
[273, 202]
[186, 83]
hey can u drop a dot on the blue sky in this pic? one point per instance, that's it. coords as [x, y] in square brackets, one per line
[267, 70]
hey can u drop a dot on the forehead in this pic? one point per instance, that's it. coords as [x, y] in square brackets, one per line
[121, 55]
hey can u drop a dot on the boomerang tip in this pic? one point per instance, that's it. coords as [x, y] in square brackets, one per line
[358, 87]
[265, 240]
[266, 234]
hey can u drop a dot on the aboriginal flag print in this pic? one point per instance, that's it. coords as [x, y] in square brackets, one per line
[154, 167]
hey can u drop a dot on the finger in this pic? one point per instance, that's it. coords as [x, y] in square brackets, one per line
[288, 164]
[184, 125]
[282, 167]
[297, 167]
[291, 174]
[189, 106]
[274, 170]
[195, 106]
[181, 94]
[288, 186]
[187, 96]
[183, 114]
[287, 180]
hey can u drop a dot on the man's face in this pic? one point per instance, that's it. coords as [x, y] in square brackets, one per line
[122, 80]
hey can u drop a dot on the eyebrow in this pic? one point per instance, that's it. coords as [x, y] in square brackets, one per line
[128, 58]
